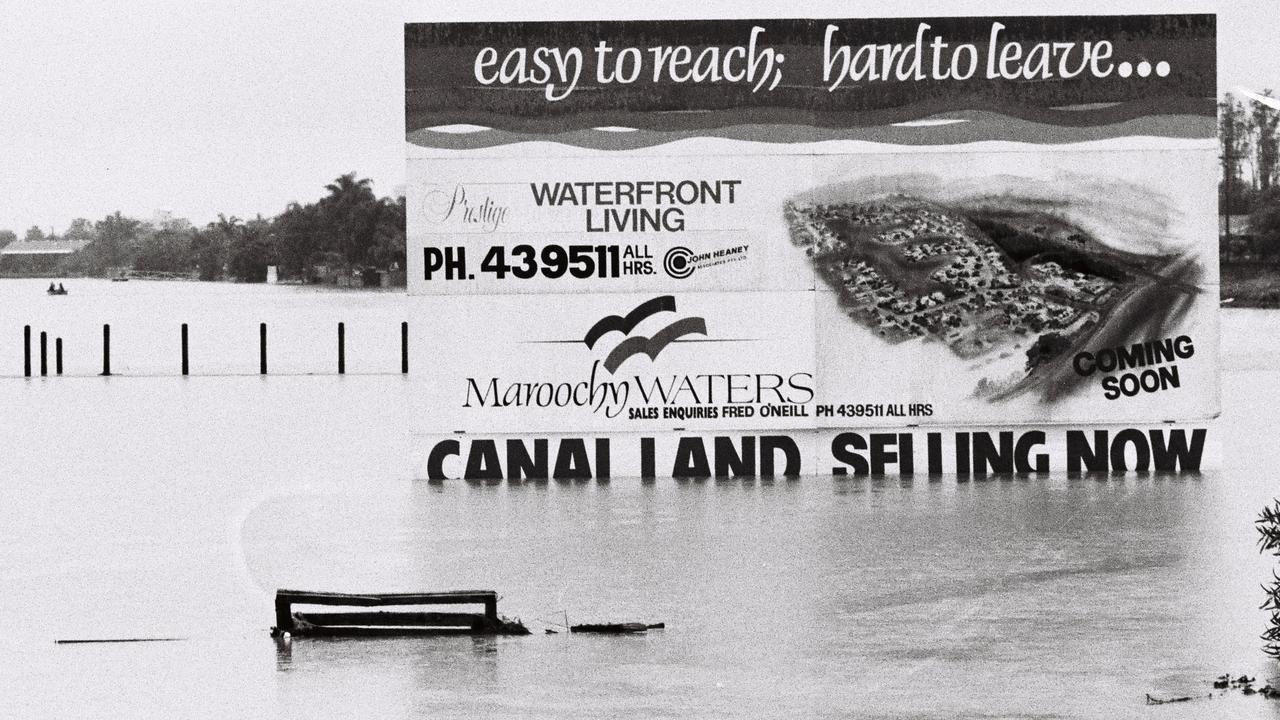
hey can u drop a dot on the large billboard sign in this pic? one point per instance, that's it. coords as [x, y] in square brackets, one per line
[817, 231]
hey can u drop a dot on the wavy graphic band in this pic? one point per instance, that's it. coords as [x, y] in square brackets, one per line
[959, 127]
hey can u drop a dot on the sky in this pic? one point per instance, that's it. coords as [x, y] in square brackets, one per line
[203, 108]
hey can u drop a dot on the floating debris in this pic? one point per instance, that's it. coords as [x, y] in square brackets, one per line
[1243, 682]
[616, 628]
[117, 640]
[1159, 701]
[1225, 683]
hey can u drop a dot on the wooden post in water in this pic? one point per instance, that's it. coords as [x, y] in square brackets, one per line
[491, 610]
[342, 348]
[57, 355]
[284, 614]
[262, 348]
[44, 354]
[106, 349]
[185, 367]
[26, 351]
[404, 347]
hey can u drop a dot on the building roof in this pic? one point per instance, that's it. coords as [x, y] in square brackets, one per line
[43, 247]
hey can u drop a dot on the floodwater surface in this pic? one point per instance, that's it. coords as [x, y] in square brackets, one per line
[170, 507]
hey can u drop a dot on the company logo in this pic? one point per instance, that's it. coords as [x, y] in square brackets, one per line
[632, 345]
[686, 389]
[680, 261]
[441, 204]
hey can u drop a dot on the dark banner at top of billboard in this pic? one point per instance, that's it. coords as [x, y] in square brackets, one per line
[698, 76]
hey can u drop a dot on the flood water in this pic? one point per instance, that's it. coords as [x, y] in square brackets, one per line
[170, 507]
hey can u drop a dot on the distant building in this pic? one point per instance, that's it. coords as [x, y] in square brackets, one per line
[1236, 241]
[43, 247]
[36, 257]
[1237, 224]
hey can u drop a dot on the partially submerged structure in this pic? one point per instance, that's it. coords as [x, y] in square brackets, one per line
[382, 623]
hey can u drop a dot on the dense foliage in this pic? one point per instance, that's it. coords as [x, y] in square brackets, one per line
[1249, 147]
[1268, 524]
[350, 228]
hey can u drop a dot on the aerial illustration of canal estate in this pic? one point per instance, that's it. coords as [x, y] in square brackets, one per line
[990, 275]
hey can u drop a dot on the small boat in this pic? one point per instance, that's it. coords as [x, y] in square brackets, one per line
[120, 279]
[616, 628]
[57, 291]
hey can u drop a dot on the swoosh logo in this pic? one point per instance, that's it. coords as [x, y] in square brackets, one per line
[651, 346]
[624, 325]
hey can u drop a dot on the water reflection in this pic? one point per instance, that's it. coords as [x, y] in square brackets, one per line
[581, 483]
[284, 651]
[476, 655]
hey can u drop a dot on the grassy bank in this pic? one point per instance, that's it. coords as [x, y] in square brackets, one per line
[1251, 284]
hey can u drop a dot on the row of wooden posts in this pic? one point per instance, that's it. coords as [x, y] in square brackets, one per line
[186, 365]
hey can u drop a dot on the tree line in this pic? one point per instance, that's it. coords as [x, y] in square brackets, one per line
[348, 229]
[1248, 151]
[1249, 184]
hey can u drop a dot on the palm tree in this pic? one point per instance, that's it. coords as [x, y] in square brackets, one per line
[347, 186]
[351, 213]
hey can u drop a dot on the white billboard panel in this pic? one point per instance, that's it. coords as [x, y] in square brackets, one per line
[614, 362]
[619, 223]
[992, 241]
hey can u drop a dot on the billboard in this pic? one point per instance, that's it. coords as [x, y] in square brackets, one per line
[797, 228]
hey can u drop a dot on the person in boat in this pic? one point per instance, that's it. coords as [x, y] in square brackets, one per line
[52, 289]
[61, 290]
